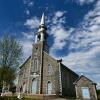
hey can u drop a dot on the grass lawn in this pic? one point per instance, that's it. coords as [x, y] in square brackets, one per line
[15, 98]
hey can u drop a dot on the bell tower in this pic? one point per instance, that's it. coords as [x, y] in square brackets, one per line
[41, 35]
[39, 47]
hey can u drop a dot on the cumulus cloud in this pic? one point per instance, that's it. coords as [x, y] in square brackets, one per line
[88, 34]
[58, 31]
[32, 23]
[60, 36]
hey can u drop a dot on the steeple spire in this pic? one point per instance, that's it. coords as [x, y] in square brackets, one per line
[42, 26]
[42, 20]
[41, 34]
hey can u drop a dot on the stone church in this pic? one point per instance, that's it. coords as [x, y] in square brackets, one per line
[42, 74]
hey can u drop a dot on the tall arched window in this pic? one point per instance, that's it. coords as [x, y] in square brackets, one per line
[49, 69]
[35, 64]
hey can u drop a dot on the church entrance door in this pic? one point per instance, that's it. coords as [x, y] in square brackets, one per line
[49, 88]
[85, 93]
[34, 86]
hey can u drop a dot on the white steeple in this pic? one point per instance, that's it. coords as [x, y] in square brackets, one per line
[42, 20]
[42, 26]
[41, 34]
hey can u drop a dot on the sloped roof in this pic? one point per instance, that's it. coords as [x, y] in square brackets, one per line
[84, 77]
[69, 70]
[25, 62]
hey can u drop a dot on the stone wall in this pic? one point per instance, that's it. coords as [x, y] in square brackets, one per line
[24, 75]
[54, 77]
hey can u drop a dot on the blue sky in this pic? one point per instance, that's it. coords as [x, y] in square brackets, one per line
[73, 29]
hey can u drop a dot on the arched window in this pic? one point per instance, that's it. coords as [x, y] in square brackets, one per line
[49, 87]
[49, 69]
[35, 64]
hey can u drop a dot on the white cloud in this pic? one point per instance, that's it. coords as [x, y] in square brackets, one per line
[31, 3]
[27, 48]
[59, 14]
[27, 41]
[58, 17]
[28, 3]
[83, 60]
[28, 36]
[82, 2]
[27, 12]
[58, 31]
[32, 23]
[60, 36]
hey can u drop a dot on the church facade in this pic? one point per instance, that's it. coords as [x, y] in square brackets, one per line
[42, 74]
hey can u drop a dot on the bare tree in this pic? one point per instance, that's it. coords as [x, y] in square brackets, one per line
[10, 57]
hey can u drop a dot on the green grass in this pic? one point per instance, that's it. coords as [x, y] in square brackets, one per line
[15, 98]
[8, 98]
